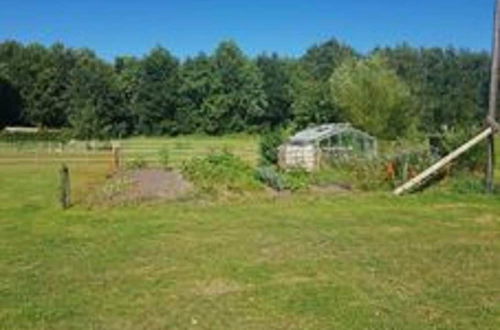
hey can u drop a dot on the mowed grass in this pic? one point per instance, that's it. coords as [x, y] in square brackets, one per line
[351, 261]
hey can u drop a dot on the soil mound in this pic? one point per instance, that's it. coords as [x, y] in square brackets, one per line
[157, 184]
[141, 185]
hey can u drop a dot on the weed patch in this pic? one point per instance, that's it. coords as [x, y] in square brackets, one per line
[221, 172]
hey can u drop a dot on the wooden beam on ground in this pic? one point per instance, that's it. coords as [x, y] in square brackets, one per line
[443, 162]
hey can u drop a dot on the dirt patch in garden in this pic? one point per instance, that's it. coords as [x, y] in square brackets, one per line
[157, 184]
[142, 185]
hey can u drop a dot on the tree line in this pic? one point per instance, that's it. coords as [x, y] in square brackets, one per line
[389, 92]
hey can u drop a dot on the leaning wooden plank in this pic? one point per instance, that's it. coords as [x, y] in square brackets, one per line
[443, 162]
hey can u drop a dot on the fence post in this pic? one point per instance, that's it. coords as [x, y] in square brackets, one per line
[65, 187]
[116, 157]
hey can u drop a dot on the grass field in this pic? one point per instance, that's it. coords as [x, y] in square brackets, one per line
[350, 261]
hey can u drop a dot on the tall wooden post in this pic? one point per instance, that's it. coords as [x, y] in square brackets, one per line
[116, 157]
[495, 66]
[64, 187]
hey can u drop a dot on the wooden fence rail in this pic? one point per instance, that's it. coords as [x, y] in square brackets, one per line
[41, 153]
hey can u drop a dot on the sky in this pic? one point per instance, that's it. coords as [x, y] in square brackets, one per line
[288, 27]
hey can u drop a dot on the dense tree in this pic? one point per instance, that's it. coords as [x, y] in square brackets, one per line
[10, 100]
[127, 74]
[157, 94]
[373, 97]
[10, 104]
[197, 85]
[237, 100]
[227, 92]
[49, 100]
[23, 66]
[450, 86]
[321, 60]
[312, 101]
[277, 85]
[95, 107]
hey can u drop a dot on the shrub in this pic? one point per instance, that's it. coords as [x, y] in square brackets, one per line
[410, 163]
[268, 147]
[472, 160]
[220, 171]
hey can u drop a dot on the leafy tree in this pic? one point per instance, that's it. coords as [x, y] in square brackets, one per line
[269, 143]
[312, 102]
[49, 99]
[321, 60]
[373, 97]
[237, 102]
[277, 85]
[95, 109]
[228, 92]
[24, 66]
[10, 100]
[197, 76]
[127, 74]
[449, 85]
[456, 87]
[10, 104]
[157, 97]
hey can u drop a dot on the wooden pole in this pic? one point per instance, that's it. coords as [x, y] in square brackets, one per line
[116, 157]
[64, 187]
[443, 162]
[495, 66]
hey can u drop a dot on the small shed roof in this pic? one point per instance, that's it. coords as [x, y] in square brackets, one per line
[321, 132]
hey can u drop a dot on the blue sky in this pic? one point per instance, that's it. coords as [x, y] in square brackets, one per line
[288, 27]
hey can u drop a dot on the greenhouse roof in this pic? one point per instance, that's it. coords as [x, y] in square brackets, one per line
[318, 133]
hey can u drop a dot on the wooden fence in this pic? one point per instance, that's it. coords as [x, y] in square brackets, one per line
[12, 153]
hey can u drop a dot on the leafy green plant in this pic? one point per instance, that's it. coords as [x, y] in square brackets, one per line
[137, 163]
[164, 157]
[270, 177]
[220, 171]
[268, 147]
[294, 179]
[297, 179]
[472, 160]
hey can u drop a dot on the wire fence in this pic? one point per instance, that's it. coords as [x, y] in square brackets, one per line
[88, 152]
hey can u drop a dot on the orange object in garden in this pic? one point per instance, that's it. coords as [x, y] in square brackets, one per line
[390, 171]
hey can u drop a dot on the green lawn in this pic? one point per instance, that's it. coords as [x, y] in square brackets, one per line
[352, 261]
